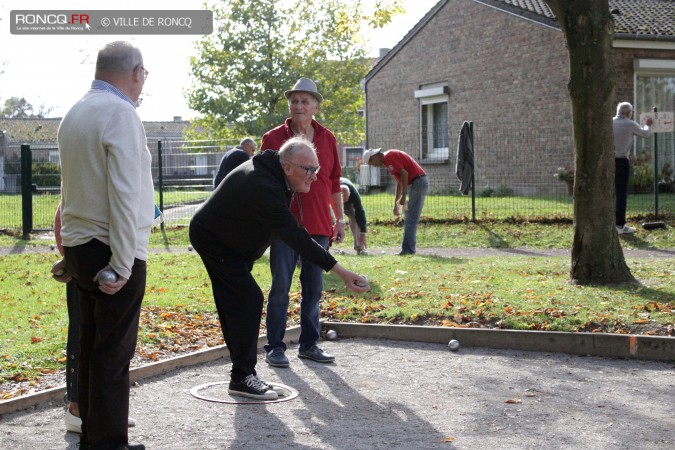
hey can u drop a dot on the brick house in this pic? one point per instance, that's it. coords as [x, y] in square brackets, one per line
[503, 65]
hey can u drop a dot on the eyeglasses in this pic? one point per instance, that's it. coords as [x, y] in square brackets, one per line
[309, 170]
[145, 71]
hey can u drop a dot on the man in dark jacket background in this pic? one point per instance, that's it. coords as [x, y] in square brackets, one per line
[353, 208]
[233, 158]
[230, 231]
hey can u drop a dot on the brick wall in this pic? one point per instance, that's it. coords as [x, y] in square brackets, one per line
[623, 63]
[506, 74]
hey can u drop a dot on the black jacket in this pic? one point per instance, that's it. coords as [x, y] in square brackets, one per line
[248, 210]
[355, 200]
[464, 166]
[231, 159]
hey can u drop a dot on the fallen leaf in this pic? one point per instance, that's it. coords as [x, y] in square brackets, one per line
[514, 400]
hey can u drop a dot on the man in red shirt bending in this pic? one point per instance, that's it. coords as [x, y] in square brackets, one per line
[411, 180]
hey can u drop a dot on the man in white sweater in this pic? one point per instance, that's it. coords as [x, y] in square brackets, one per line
[625, 128]
[107, 214]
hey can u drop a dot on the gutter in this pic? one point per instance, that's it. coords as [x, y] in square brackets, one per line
[643, 37]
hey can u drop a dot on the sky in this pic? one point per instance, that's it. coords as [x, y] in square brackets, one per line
[54, 71]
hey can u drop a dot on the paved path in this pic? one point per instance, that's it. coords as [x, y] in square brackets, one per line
[445, 252]
[383, 394]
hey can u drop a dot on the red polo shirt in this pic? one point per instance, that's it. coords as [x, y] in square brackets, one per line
[315, 213]
[395, 160]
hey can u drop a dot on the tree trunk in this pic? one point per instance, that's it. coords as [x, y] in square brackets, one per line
[588, 28]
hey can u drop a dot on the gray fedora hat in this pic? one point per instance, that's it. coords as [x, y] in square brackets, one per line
[305, 85]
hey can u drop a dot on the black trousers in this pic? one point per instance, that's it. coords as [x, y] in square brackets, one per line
[108, 334]
[238, 299]
[621, 175]
[73, 343]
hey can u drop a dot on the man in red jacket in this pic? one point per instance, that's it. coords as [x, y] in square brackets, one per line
[313, 211]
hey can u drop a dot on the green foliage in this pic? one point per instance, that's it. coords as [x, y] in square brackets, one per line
[666, 173]
[259, 50]
[486, 192]
[17, 108]
[46, 174]
[564, 173]
[642, 178]
[501, 191]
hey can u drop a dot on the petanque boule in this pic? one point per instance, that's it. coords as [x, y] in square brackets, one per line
[331, 335]
[107, 276]
[362, 284]
[453, 345]
[59, 272]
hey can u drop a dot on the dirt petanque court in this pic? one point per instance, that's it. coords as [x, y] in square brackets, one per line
[401, 387]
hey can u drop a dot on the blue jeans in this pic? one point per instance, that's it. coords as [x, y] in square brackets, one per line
[282, 264]
[417, 192]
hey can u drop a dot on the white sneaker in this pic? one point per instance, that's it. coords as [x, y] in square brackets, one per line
[74, 423]
[625, 230]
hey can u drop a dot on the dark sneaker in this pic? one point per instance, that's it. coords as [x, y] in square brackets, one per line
[316, 354]
[252, 387]
[276, 358]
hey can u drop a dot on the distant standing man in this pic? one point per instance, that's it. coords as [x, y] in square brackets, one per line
[353, 208]
[624, 130]
[230, 231]
[313, 211]
[233, 158]
[411, 180]
[107, 214]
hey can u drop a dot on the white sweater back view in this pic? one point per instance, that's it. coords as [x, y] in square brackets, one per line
[107, 189]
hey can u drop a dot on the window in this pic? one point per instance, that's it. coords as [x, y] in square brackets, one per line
[434, 123]
[54, 157]
[655, 87]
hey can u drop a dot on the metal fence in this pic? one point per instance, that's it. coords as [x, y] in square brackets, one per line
[514, 173]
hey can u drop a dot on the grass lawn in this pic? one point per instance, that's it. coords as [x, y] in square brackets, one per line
[530, 293]
[484, 234]
[378, 207]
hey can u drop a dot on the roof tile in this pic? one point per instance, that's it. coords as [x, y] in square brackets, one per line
[639, 17]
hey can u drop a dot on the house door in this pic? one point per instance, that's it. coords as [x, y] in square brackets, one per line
[201, 164]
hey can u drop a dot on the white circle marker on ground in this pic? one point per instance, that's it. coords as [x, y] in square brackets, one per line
[285, 393]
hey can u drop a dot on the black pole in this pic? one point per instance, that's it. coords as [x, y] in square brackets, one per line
[473, 175]
[656, 166]
[160, 179]
[26, 191]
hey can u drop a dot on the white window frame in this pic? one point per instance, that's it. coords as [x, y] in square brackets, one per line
[54, 157]
[429, 96]
[646, 67]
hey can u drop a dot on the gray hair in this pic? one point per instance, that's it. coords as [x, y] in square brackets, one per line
[293, 146]
[118, 56]
[623, 109]
[247, 140]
